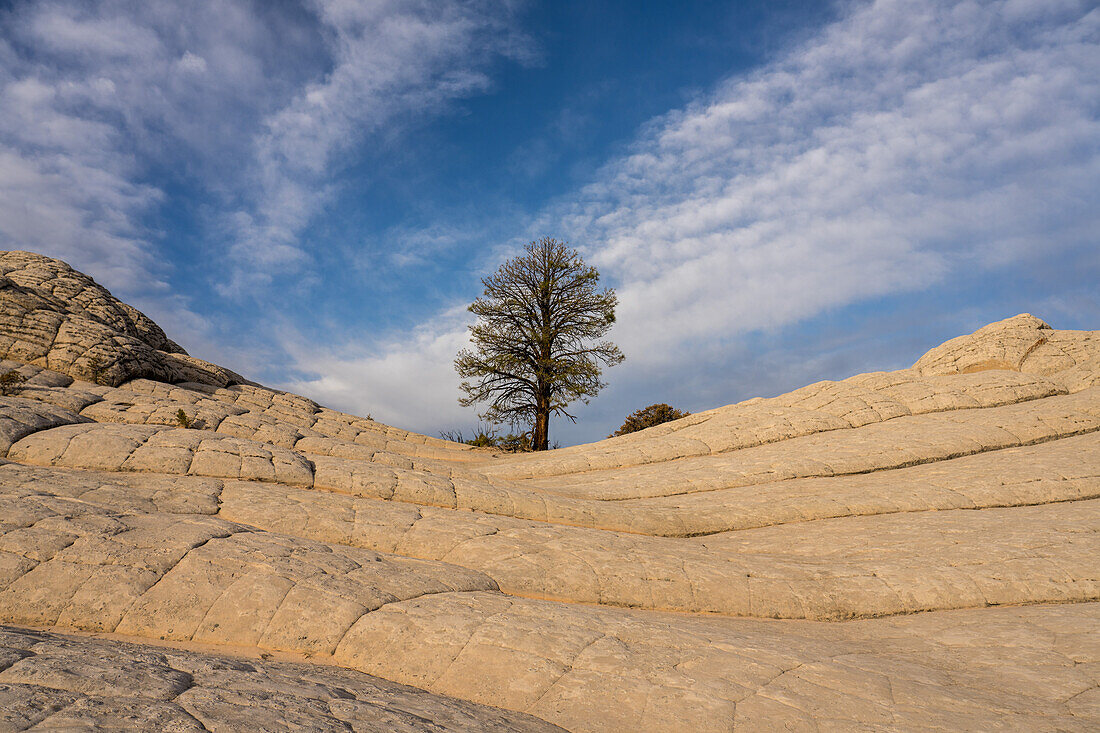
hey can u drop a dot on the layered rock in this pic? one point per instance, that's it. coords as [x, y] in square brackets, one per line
[55, 681]
[902, 550]
[54, 317]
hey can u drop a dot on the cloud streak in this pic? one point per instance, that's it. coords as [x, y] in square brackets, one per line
[406, 381]
[905, 142]
[106, 107]
[901, 147]
[390, 58]
[102, 106]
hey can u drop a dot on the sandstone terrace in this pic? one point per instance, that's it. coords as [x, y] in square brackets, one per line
[909, 550]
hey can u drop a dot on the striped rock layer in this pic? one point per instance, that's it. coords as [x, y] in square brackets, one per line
[905, 550]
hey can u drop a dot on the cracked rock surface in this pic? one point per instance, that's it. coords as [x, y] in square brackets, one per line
[52, 681]
[906, 550]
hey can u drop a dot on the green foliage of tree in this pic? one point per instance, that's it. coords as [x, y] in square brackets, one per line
[647, 417]
[535, 343]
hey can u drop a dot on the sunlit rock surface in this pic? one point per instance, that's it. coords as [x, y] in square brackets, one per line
[56, 681]
[907, 550]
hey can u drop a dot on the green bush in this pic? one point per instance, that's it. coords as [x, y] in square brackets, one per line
[647, 417]
[516, 443]
[483, 440]
[486, 437]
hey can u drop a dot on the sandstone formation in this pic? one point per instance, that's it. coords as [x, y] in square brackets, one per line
[904, 550]
[58, 682]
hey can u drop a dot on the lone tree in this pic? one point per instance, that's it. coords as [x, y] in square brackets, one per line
[533, 350]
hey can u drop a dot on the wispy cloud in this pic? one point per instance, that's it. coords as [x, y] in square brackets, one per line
[906, 141]
[101, 102]
[905, 145]
[408, 381]
[390, 58]
[106, 107]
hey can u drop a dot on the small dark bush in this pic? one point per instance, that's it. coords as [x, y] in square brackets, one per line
[96, 370]
[647, 417]
[182, 420]
[483, 440]
[486, 437]
[10, 382]
[516, 443]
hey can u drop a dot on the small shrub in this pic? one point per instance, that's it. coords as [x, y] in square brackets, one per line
[10, 382]
[97, 371]
[182, 420]
[647, 417]
[455, 436]
[482, 440]
[486, 437]
[516, 443]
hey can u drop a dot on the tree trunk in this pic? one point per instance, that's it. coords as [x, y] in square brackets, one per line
[540, 440]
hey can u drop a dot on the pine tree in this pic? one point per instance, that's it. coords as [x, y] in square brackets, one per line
[535, 343]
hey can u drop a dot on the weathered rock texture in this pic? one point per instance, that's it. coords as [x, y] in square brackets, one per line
[909, 550]
[52, 681]
[55, 317]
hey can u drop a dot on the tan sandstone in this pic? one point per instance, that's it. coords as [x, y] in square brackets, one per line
[907, 550]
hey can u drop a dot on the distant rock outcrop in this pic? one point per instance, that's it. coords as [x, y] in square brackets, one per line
[57, 318]
[905, 550]
[1022, 343]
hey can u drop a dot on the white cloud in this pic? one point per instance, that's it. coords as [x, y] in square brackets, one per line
[391, 59]
[905, 142]
[105, 106]
[191, 63]
[92, 98]
[408, 381]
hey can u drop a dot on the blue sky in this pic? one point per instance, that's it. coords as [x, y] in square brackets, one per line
[781, 192]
